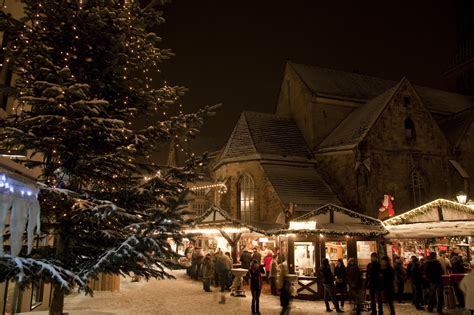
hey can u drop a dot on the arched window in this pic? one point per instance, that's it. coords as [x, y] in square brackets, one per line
[410, 130]
[246, 198]
[418, 187]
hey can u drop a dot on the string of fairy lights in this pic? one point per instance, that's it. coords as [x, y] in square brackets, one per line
[146, 57]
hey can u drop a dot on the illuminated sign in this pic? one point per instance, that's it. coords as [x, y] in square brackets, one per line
[302, 225]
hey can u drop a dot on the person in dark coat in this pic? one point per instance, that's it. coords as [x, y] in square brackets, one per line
[415, 274]
[328, 284]
[354, 280]
[274, 275]
[434, 274]
[207, 273]
[400, 277]
[373, 282]
[223, 267]
[285, 288]
[341, 280]
[457, 267]
[255, 272]
[388, 281]
[245, 259]
[257, 256]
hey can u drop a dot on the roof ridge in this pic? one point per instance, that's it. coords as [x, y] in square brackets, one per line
[332, 69]
[391, 92]
[250, 132]
[371, 77]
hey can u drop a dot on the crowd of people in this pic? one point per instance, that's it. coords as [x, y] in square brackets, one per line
[383, 279]
[263, 265]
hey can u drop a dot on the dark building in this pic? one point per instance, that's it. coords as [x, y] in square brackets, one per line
[349, 139]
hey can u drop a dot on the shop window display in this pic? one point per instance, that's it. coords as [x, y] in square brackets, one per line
[364, 250]
[336, 250]
[304, 258]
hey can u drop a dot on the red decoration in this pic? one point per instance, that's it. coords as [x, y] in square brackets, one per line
[387, 207]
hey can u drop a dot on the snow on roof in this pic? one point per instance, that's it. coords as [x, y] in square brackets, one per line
[260, 133]
[436, 211]
[336, 220]
[340, 84]
[358, 123]
[330, 82]
[322, 215]
[300, 185]
[215, 217]
[431, 229]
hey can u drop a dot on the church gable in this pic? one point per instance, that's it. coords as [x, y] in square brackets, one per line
[240, 142]
[406, 124]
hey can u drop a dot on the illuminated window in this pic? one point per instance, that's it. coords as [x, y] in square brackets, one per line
[247, 198]
[418, 187]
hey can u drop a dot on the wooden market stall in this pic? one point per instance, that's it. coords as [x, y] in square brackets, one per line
[215, 228]
[332, 232]
[440, 226]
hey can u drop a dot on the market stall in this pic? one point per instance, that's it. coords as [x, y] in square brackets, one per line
[216, 229]
[442, 226]
[331, 232]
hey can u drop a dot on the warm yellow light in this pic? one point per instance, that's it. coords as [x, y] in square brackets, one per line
[302, 225]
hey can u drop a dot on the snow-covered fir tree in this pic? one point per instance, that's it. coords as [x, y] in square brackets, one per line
[85, 82]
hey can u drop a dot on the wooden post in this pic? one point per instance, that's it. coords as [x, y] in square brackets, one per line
[233, 241]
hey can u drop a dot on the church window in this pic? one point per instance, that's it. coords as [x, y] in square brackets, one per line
[406, 101]
[246, 198]
[409, 129]
[418, 188]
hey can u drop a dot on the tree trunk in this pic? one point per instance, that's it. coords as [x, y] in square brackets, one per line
[57, 301]
[233, 242]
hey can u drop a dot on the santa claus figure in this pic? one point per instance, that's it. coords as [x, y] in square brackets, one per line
[386, 210]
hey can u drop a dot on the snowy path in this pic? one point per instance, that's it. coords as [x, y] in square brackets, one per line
[184, 296]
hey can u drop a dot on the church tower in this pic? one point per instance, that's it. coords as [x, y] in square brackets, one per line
[460, 73]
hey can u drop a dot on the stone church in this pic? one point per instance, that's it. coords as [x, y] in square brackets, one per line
[347, 139]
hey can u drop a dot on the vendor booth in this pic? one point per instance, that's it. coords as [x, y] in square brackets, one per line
[442, 226]
[331, 232]
[216, 229]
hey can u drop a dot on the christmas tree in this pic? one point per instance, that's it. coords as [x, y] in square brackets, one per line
[85, 84]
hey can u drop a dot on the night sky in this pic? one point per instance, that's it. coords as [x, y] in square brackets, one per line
[234, 52]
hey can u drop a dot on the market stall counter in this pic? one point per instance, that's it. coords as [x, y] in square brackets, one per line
[331, 232]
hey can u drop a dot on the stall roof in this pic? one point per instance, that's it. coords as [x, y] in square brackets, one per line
[439, 210]
[337, 220]
[215, 217]
[431, 229]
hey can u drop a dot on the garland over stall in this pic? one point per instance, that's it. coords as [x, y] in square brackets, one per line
[332, 232]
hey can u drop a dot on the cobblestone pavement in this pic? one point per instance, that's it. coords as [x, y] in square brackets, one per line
[185, 296]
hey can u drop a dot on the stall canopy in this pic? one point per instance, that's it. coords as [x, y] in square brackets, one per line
[438, 218]
[216, 221]
[335, 220]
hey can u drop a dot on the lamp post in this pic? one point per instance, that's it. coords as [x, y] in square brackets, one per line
[461, 197]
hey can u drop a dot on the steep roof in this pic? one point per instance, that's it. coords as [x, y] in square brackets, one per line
[299, 185]
[357, 124]
[340, 84]
[266, 134]
[217, 218]
[456, 125]
[330, 82]
[336, 220]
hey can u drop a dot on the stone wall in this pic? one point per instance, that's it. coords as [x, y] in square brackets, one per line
[409, 162]
[267, 204]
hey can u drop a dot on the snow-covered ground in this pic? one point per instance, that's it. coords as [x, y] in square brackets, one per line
[185, 296]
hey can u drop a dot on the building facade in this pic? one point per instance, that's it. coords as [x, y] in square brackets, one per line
[347, 139]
